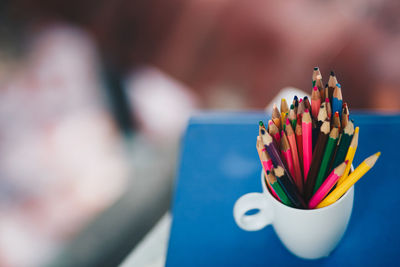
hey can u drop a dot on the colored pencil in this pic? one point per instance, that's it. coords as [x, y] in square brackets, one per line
[328, 108]
[316, 160]
[359, 172]
[326, 158]
[328, 184]
[276, 116]
[337, 100]
[350, 155]
[274, 132]
[345, 115]
[298, 178]
[287, 154]
[307, 143]
[266, 163]
[331, 85]
[344, 144]
[315, 132]
[273, 151]
[317, 77]
[336, 121]
[284, 110]
[307, 104]
[289, 188]
[315, 102]
[299, 139]
[301, 108]
[295, 104]
[322, 115]
[292, 116]
[281, 195]
[321, 91]
[315, 73]
[326, 92]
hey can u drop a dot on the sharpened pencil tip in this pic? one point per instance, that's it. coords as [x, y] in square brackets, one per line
[295, 97]
[287, 121]
[327, 100]
[315, 68]
[315, 88]
[378, 154]
[268, 172]
[336, 114]
[262, 131]
[261, 123]
[357, 129]
[338, 85]
[332, 73]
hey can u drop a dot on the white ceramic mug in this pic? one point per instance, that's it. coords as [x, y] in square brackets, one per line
[309, 234]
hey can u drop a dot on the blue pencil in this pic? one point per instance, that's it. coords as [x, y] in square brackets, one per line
[337, 100]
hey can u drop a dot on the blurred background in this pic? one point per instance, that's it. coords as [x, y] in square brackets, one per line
[95, 95]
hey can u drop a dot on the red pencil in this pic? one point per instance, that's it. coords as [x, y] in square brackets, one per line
[274, 132]
[315, 102]
[307, 142]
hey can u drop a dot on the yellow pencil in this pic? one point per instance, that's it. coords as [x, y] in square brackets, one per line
[365, 166]
[284, 110]
[350, 155]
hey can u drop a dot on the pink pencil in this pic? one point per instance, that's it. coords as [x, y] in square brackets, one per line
[306, 127]
[327, 185]
[287, 153]
[315, 102]
[274, 132]
[266, 163]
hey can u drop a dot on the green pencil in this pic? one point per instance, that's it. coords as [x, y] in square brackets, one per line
[347, 135]
[278, 189]
[331, 144]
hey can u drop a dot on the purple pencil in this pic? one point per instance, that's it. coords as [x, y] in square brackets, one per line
[286, 181]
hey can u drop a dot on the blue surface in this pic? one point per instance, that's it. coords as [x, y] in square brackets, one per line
[219, 163]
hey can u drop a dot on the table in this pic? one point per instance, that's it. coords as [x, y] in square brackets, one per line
[219, 163]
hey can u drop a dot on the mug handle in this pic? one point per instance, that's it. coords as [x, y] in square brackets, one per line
[256, 221]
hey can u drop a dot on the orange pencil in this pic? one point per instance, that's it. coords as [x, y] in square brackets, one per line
[276, 116]
[315, 102]
[287, 153]
[298, 178]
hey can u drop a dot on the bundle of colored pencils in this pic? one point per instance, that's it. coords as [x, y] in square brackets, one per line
[307, 149]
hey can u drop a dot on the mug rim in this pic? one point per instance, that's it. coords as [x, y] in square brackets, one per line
[265, 188]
